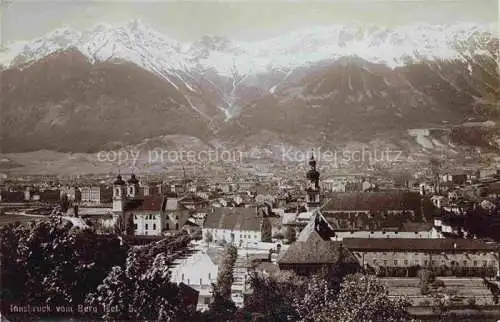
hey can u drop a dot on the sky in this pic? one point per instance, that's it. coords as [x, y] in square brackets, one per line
[239, 20]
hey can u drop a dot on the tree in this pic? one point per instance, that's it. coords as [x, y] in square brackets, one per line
[362, 298]
[130, 229]
[290, 234]
[426, 278]
[320, 298]
[142, 290]
[64, 203]
[118, 226]
[209, 237]
[54, 264]
[139, 292]
[222, 307]
[273, 297]
[266, 230]
[318, 294]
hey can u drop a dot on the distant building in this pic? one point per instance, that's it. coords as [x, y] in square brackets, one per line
[388, 214]
[95, 195]
[194, 202]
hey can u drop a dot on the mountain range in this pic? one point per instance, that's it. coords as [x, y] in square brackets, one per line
[113, 86]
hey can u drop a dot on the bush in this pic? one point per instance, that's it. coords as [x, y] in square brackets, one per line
[209, 237]
[426, 276]
[424, 289]
[425, 303]
[471, 301]
[438, 283]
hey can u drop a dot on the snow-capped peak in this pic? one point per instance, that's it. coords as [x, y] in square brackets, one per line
[139, 43]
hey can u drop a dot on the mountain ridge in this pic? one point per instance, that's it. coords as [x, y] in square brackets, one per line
[330, 97]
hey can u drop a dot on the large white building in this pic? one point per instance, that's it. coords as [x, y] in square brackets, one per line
[245, 226]
[152, 215]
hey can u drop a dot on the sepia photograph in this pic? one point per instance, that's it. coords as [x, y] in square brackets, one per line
[250, 160]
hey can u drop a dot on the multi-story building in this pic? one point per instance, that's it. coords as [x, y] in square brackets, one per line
[458, 256]
[95, 195]
[152, 215]
[244, 226]
[317, 246]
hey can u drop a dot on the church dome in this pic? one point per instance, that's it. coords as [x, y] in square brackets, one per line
[119, 181]
[312, 162]
[133, 179]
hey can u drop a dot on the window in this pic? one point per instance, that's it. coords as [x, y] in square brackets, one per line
[146, 226]
[206, 300]
[167, 226]
[425, 262]
[475, 263]
[154, 226]
[416, 262]
[135, 226]
[176, 225]
[374, 262]
[465, 263]
[395, 263]
[385, 262]
[433, 263]
[485, 263]
[406, 262]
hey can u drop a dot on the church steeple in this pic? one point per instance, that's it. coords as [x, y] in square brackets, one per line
[313, 189]
[313, 174]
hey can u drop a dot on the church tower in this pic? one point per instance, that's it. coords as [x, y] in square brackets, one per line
[119, 194]
[312, 190]
[132, 187]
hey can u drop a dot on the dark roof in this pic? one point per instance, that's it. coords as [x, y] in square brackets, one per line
[119, 181]
[147, 203]
[233, 218]
[192, 199]
[415, 244]
[494, 187]
[393, 200]
[344, 221]
[133, 179]
[12, 196]
[313, 250]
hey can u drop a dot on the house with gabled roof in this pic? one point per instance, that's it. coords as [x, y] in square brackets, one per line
[148, 213]
[314, 249]
[237, 225]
